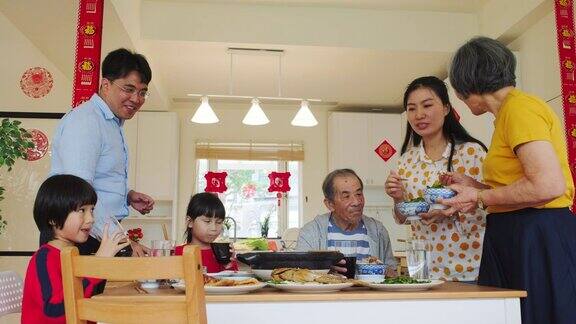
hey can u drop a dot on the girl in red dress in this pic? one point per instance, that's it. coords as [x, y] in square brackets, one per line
[204, 218]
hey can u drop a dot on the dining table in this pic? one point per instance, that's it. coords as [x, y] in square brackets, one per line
[451, 302]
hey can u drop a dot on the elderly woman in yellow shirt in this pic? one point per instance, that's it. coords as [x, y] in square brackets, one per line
[530, 238]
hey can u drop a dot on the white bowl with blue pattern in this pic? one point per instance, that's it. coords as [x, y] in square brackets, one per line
[431, 195]
[412, 209]
[370, 272]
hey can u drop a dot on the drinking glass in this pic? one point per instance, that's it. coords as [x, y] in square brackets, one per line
[222, 252]
[162, 248]
[113, 227]
[350, 250]
[417, 258]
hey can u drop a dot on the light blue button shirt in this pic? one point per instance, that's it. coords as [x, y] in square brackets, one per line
[90, 143]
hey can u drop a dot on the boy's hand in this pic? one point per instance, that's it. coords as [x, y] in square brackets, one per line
[139, 250]
[111, 244]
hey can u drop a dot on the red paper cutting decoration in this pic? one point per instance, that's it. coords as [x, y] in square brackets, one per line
[248, 191]
[36, 82]
[385, 150]
[40, 148]
[215, 181]
[279, 182]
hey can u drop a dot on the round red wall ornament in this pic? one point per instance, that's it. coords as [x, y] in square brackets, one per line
[36, 82]
[40, 145]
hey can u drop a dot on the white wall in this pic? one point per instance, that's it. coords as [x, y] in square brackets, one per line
[230, 128]
[18, 55]
[538, 61]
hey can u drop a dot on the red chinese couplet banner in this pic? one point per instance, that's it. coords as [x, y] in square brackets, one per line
[567, 57]
[88, 45]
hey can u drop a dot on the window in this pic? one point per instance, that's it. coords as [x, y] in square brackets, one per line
[247, 199]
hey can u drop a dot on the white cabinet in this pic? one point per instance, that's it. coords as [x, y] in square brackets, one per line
[353, 138]
[157, 154]
[153, 140]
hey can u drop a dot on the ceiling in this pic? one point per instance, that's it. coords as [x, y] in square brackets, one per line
[352, 54]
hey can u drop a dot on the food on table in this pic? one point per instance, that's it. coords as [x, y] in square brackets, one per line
[297, 275]
[223, 282]
[404, 280]
[371, 260]
[254, 244]
[436, 185]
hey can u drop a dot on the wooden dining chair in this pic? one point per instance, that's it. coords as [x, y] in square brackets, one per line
[148, 309]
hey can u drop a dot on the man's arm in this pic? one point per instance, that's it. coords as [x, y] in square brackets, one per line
[141, 202]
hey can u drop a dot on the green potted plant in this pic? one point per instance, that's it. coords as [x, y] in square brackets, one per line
[265, 226]
[14, 142]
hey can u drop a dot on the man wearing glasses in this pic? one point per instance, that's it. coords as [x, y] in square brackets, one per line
[90, 143]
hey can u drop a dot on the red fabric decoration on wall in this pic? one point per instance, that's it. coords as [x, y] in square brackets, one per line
[88, 43]
[215, 181]
[40, 148]
[385, 150]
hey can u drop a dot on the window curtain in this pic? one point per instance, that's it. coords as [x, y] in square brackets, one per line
[293, 151]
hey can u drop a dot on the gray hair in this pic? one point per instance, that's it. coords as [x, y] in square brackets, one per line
[328, 184]
[482, 65]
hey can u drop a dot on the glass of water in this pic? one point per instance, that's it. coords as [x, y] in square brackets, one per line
[162, 248]
[417, 258]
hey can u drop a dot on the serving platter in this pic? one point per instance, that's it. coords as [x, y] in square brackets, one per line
[406, 287]
[311, 288]
[224, 290]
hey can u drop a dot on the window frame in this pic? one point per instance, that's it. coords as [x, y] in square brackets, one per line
[283, 211]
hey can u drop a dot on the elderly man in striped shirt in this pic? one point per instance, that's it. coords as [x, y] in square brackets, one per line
[344, 197]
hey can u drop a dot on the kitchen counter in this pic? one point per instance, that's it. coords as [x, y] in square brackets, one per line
[450, 303]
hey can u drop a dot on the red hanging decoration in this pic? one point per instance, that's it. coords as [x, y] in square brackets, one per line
[564, 11]
[88, 43]
[279, 182]
[215, 181]
[385, 150]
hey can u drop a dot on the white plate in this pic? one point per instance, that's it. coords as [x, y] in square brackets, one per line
[266, 274]
[406, 287]
[413, 218]
[232, 290]
[312, 288]
[229, 273]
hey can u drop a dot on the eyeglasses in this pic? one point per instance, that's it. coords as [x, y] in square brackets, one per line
[130, 91]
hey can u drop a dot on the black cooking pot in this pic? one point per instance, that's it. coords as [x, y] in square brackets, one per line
[307, 260]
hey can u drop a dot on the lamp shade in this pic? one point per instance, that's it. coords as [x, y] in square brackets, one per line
[304, 117]
[204, 114]
[255, 115]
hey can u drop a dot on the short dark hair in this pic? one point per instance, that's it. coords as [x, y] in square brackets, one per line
[482, 65]
[453, 131]
[328, 184]
[58, 196]
[204, 204]
[121, 62]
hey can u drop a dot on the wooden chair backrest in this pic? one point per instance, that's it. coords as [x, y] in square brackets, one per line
[79, 309]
